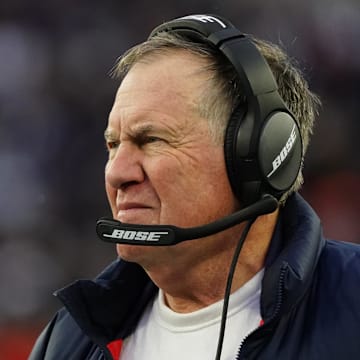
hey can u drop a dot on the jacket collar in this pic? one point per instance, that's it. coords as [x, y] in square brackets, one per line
[292, 258]
[101, 307]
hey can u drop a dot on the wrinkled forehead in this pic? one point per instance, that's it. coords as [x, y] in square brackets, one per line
[171, 72]
[170, 82]
[194, 62]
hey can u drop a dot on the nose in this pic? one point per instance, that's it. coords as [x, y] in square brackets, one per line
[124, 166]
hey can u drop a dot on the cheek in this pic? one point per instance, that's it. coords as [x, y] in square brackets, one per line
[193, 193]
[185, 176]
[111, 194]
[173, 179]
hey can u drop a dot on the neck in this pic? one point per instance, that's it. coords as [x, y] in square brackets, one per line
[196, 274]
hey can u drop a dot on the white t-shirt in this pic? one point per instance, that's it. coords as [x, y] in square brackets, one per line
[163, 334]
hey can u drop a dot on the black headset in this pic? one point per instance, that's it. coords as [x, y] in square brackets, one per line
[263, 146]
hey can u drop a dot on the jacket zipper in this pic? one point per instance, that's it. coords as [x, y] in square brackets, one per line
[279, 297]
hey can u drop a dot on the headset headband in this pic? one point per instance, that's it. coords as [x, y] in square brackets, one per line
[224, 36]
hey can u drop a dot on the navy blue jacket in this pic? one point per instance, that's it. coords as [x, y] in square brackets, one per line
[310, 301]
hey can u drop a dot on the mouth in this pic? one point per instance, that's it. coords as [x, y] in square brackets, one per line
[133, 213]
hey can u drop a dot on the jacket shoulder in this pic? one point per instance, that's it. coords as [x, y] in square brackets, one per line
[341, 259]
[339, 277]
[325, 322]
[62, 339]
[39, 349]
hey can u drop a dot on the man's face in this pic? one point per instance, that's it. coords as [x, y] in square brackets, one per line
[164, 167]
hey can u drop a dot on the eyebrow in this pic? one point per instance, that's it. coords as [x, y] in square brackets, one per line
[142, 129]
[136, 132]
[109, 134]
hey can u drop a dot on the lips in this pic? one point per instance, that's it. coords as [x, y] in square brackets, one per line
[133, 212]
[131, 206]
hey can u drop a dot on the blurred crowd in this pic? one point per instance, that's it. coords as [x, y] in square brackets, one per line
[55, 95]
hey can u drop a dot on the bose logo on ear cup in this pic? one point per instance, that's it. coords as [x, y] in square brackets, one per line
[284, 152]
[205, 19]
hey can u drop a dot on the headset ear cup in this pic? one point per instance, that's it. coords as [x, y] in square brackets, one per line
[277, 163]
[280, 152]
[230, 140]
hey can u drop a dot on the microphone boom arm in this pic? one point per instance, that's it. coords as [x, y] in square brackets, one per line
[114, 231]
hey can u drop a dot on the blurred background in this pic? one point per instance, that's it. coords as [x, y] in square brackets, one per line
[55, 95]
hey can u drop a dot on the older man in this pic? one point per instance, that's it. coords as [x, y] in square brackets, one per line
[199, 133]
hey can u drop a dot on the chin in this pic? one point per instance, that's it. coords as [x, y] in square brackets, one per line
[134, 253]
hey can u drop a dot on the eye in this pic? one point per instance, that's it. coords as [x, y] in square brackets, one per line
[110, 145]
[147, 139]
[152, 139]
